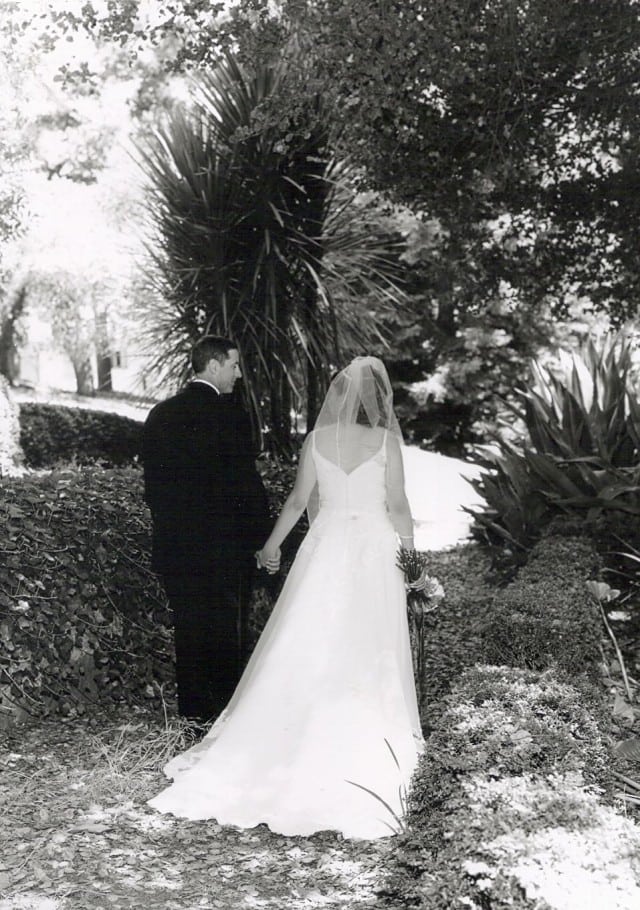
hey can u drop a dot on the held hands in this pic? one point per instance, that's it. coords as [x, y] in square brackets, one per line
[268, 558]
[421, 583]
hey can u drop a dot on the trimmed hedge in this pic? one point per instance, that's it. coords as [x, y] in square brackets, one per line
[546, 617]
[454, 632]
[83, 619]
[51, 435]
[510, 805]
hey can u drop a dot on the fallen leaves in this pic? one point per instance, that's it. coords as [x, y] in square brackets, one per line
[77, 834]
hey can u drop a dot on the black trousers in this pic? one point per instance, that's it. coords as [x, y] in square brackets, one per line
[211, 624]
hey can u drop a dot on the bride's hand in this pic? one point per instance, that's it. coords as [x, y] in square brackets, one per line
[269, 558]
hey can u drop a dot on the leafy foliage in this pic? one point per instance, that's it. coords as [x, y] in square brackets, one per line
[584, 430]
[591, 408]
[77, 308]
[513, 755]
[545, 616]
[77, 596]
[253, 238]
[52, 435]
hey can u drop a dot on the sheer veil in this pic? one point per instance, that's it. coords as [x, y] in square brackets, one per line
[355, 417]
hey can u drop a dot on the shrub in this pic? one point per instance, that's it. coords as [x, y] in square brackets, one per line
[584, 430]
[51, 435]
[506, 808]
[454, 632]
[82, 617]
[546, 617]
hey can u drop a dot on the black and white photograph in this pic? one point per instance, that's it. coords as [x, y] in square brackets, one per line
[320, 454]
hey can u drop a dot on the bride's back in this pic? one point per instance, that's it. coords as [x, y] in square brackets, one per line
[348, 446]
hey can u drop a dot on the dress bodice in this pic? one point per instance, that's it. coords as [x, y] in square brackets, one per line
[362, 490]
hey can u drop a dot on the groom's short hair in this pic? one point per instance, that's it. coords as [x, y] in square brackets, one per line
[210, 347]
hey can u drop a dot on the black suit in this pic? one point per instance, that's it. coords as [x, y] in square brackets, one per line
[210, 514]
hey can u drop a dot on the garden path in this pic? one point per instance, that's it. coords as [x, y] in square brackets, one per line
[76, 835]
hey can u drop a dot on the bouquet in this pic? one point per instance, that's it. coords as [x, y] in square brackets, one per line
[424, 592]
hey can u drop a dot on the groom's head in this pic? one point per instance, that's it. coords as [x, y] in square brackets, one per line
[216, 359]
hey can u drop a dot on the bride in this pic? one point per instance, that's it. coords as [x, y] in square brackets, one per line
[323, 730]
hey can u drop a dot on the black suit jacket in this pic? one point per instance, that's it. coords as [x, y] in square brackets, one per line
[207, 500]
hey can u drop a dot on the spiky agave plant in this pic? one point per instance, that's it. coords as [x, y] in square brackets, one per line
[584, 428]
[253, 235]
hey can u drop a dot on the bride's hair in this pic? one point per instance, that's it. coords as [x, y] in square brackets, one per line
[361, 395]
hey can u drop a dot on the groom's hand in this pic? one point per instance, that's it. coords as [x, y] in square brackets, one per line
[268, 559]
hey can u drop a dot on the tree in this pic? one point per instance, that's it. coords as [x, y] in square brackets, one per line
[76, 308]
[11, 455]
[11, 333]
[512, 126]
[253, 237]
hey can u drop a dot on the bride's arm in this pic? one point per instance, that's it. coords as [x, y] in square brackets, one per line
[293, 507]
[397, 502]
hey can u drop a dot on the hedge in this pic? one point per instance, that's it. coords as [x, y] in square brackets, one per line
[546, 617]
[51, 435]
[511, 803]
[82, 617]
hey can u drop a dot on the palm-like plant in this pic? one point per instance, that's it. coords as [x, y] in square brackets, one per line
[254, 237]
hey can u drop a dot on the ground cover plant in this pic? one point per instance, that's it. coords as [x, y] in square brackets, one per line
[520, 799]
[512, 803]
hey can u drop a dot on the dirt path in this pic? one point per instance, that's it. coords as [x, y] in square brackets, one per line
[76, 833]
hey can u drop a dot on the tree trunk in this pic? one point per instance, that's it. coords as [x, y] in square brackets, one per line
[11, 455]
[9, 356]
[84, 376]
[104, 374]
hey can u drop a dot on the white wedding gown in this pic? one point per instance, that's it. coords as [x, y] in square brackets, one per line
[327, 704]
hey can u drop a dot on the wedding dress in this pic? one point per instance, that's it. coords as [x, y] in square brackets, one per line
[323, 729]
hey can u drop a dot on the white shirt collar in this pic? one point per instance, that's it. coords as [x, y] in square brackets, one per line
[210, 384]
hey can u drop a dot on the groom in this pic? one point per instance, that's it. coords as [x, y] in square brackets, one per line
[210, 514]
